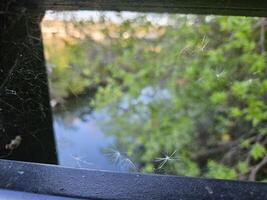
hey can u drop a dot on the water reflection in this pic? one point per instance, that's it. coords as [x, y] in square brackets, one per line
[80, 140]
[81, 132]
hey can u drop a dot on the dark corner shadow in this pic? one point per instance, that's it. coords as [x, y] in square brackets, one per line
[26, 132]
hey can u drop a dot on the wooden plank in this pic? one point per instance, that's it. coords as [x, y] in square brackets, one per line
[91, 184]
[221, 7]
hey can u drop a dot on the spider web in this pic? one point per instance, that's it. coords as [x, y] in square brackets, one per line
[24, 99]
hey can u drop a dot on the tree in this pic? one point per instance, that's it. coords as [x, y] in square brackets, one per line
[186, 98]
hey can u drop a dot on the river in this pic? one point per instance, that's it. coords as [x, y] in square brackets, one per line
[81, 136]
[80, 139]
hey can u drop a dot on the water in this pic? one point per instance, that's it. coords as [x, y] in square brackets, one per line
[81, 137]
[80, 140]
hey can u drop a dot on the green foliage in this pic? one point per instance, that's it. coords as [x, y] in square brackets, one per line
[258, 151]
[196, 86]
[219, 171]
[242, 167]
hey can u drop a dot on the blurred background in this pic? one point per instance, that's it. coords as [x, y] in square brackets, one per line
[159, 93]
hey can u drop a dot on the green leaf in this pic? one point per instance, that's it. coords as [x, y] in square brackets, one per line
[218, 97]
[242, 167]
[257, 151]
[235, 112]
[220, 171]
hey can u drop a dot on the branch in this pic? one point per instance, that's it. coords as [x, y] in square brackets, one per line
[255, 169]
[262, 35]
[215, 151]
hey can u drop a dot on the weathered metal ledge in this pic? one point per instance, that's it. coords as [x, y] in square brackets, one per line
[91, 184]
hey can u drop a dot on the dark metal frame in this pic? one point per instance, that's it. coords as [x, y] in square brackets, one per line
[92, 184]
[219, 7]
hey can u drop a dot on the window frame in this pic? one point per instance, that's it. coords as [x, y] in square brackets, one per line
[94, 184]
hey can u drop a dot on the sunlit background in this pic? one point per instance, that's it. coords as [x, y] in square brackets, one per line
[159, 93]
